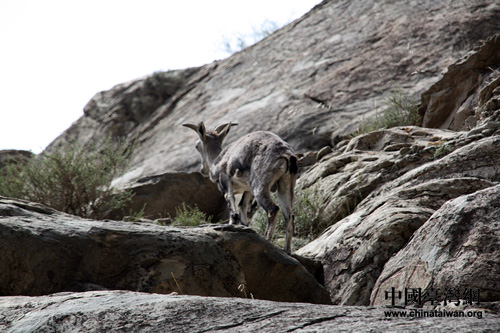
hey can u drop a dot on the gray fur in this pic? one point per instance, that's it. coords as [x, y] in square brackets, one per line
[251, 166]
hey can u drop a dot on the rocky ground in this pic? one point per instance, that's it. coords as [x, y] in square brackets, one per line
[403, 208]
[111, 311]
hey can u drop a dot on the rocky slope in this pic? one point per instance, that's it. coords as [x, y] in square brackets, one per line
[457, 246]
[383, 186]
[111, 311]
[311, 82]
[314, 78]
[406, 207]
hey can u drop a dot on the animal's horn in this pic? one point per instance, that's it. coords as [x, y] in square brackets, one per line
[192, 126]
[219, 128]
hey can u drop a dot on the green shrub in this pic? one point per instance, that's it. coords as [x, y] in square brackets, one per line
[75, 180]
[442, 150]
[400, 110]
[306, 209]
[190, 216]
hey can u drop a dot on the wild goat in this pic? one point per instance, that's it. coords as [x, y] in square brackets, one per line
[251, 166]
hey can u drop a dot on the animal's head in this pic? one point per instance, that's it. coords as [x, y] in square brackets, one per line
[210, 143]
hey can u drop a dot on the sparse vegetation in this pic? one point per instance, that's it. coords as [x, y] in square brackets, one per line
[400, 110]
[190, 216]
[176, 283]
[442, 150]
[237, 43]
[135, 216]
[243, 289]
[75, 179]
[306, 210]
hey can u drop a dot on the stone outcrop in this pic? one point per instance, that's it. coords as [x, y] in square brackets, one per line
[384, 198]
[160, 196]
[313, 79]
[451, 108]
[380, 188]
[111, 311]
[458, 246]
[44, 251]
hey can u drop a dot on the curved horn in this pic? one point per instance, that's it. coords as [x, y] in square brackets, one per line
[192, 126]
[222, 131]
[219, 128]
[200, 129]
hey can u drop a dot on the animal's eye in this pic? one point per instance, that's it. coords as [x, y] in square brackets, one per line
[198, 146]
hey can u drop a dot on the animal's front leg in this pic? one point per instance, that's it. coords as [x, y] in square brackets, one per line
[234, 218]
[246, 197]
[226, 188]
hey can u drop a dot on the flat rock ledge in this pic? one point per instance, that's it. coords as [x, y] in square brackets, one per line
[126, 311]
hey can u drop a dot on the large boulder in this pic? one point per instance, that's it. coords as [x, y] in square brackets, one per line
[312, 79]
[458, 247]
[43, 251]
[163, 195]
[111, 311]
[347, 176]
[355, 249]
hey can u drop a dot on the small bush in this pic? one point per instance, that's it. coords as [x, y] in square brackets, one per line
[75, 180]
[442, 150]
[190, 216]
[400, 110]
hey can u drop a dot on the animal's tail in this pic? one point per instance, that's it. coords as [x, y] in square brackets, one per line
[293, 164]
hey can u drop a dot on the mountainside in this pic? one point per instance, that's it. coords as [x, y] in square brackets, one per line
[310, 82]
[402, 219]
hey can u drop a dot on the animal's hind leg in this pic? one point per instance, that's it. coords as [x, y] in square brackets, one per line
[285, 199]
[263, 197]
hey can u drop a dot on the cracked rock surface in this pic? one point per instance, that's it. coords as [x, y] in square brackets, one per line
[105, 311]
[379, 188]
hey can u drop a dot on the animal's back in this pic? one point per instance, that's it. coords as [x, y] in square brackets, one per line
[260, 142]
[258, 152]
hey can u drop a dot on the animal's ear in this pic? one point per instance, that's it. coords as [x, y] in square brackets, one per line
[223, 130]
[200, 129]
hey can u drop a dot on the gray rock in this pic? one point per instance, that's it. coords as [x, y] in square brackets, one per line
[111, 311]
[449, 101]
[458, 247]
[323, 152]
[344, 180]
[43, 251]
[160, 196]
[380, 200]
